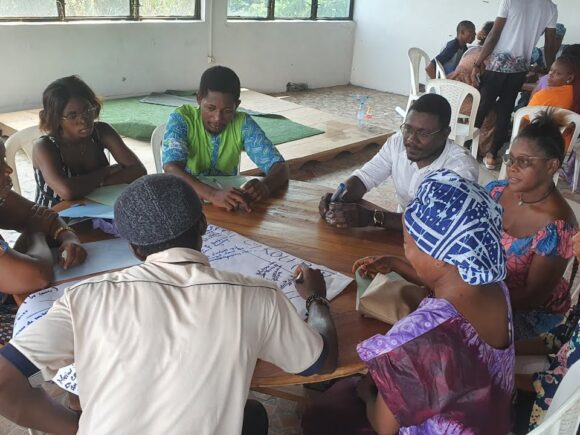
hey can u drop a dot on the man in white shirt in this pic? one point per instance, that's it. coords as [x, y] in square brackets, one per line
[408, 157]
[516, 31]
[168, 346]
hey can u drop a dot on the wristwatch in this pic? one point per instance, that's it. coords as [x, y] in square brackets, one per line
[379, 218]
[477, 64]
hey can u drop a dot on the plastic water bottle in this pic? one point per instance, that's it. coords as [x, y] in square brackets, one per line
[360, 115]
[362, 112]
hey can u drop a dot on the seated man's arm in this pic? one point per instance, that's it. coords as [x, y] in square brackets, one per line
[349, 212]
[293, 345]
[448, 52]
[465, 165]
[32, 407]
[362, 214]
[353, 192]
[445, 56]
[33, 356]
[277, 176]
[174, 154]
[319, 319]
[431, 70]
[267, 157]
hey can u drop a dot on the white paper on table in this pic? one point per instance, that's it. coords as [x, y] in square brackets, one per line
[230, 251]
[101, 256]
[37, 304]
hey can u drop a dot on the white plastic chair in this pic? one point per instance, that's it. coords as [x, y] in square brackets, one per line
[156, 139]
[563, 415]
[21, 140]
[531, 112]
[455, 92]
[439, 70]
[416, 55]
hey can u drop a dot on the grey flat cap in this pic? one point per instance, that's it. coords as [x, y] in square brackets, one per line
[155, 209]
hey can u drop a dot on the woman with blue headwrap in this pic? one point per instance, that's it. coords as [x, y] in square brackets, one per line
[448, 366]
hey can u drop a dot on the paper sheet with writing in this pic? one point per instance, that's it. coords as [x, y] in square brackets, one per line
[230, 251]
[226, 250]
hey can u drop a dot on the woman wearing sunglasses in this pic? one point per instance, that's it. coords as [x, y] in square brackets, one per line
[70, 161]
[538, 226]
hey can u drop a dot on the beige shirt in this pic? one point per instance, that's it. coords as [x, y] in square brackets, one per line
[168, 346]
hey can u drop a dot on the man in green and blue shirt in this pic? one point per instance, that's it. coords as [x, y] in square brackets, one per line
[208, 141]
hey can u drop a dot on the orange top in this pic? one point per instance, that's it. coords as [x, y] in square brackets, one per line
[557, 96]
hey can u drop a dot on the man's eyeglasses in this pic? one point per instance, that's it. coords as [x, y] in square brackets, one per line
[421, 134]
[89, 114]
[521, 162]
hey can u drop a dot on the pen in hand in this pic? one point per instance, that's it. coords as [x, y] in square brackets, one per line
[298, 279]
[339, 194]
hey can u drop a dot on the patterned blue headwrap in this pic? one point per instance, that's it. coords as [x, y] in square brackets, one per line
[456, 221]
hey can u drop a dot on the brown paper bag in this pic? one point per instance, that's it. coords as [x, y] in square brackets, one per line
[390, 299]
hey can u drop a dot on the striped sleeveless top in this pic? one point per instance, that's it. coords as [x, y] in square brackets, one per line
[45, 195]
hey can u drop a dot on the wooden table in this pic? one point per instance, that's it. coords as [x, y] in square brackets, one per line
[290, 221]
[340, 133]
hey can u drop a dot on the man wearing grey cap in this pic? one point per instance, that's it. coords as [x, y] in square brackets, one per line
[168, 346]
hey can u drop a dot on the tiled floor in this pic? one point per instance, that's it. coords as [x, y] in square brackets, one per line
[341, 100]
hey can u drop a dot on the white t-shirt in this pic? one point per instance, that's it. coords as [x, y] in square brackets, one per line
[526, 20]
[391, 160]
[169, 346]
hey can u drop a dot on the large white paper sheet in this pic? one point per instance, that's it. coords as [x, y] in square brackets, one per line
[230, 251]
[101, 256]
[226, 250]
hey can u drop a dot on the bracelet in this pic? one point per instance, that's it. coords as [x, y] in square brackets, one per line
[477, 65]
[60, 230]
[316, 298]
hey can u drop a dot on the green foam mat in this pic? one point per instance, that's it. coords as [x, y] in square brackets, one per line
[132, 118]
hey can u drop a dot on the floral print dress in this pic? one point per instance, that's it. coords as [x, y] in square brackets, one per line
[555, 239]
[546, 383]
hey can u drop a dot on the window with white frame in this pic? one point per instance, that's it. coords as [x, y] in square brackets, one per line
[73, 10]
[291, 9]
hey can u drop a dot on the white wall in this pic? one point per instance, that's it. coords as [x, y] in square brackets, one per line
[113, 58]
[132, 58]
[267, 55]
[386, 29]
